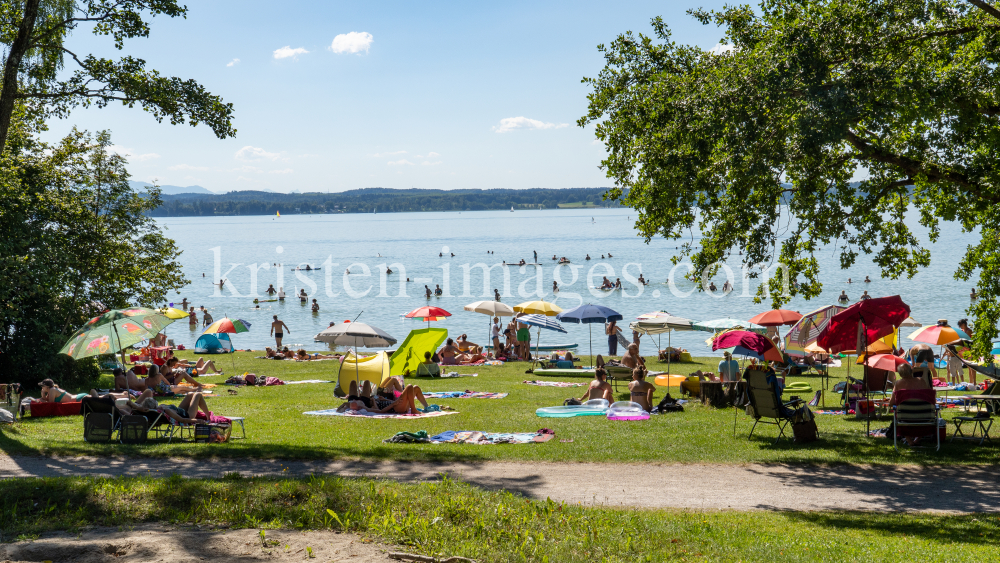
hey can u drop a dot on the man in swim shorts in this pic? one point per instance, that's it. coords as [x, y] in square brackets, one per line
[523, 340]
[278, 329]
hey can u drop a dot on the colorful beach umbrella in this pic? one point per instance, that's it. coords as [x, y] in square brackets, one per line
[659, 325]
[427, 313]
[540, 321]
[113, 331]
[801, 338]
[228, 326]
[938, 335]
[776, 317]
[653, 315]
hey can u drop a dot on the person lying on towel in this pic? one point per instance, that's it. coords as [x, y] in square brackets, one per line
[403, 403]
[51, 393]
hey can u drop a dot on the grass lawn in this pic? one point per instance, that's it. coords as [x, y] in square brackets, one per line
[276, 427]
[451, 518]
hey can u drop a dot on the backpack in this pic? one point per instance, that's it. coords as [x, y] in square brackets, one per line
[668, 404]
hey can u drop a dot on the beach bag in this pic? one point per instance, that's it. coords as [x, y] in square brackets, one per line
[668, 404]
[219, 433]
[134, 429]
[804, 431]
[98, 427]
[569, 402]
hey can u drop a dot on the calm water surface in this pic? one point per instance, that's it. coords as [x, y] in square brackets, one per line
[409, 243]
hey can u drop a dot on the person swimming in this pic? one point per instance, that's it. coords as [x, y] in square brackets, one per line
[868, 280]
[555, 286]
[843, 297]
[587, 258]
[973, 296]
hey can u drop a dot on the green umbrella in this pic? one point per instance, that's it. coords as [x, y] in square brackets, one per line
[114, 331]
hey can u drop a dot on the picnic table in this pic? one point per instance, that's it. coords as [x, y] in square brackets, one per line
[981, 424]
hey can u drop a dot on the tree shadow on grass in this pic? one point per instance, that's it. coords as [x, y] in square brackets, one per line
[967, 529]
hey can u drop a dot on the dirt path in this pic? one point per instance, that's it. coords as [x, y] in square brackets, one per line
[738, 487]
[159, 542]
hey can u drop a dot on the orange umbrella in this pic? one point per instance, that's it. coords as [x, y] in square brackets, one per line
[776, 317]
[938, 335]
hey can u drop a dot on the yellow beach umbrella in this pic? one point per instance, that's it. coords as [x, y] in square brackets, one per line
[172, 313]
[538, 308]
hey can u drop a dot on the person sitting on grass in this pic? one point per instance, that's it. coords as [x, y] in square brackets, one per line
[475, 354]
[464, 344]
[569, 357]
[640, 390]
[51, 393]
[176, 376]
[449, 353]
[403, 404]
[599, 388]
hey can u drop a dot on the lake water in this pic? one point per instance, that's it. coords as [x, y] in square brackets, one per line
[409, 243]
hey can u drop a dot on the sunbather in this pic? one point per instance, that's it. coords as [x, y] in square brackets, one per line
[175, 376]
[449, 353]
[51, 393]
[599, 387]
[632, 359]
[909, 387]
[640, 390]
[404, 404]
[464, 344]
[202, 367]
[182, 413]
[270, 352]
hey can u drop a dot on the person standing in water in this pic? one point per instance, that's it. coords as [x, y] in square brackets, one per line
[281, 293]
[278, 329]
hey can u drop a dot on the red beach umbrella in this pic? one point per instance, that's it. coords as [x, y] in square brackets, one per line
[878, 317]
[427, 313]
[748, 343]
[887, 362]
[777, 317]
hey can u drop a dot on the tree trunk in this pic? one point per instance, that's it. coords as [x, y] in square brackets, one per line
[12, 67]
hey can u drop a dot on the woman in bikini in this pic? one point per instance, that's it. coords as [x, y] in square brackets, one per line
[449, 353]
[599, 388]
[405, 402]
[640, 390]
[51, 393]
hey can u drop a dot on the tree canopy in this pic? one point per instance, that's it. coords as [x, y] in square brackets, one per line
[36, 33]
[766, 133]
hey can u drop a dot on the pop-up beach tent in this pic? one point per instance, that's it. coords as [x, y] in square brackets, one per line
[411, 352]
[218, 343]
[373, 368]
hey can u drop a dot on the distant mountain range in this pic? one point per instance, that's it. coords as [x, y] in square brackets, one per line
[172, 190]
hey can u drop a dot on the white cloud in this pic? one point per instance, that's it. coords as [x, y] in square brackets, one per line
[130, 154]
[187, 167]
[353, 42]
[249, 153]
[385, 154]
[244, 179]
[426, 163]
[403, 162]
[233, 62]
[511, 123]
[432, 154]
[284, 171]
[286, 52]
[721, 49]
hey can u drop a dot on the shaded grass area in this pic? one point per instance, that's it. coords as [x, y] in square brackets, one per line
[452, 518]
[276, 427]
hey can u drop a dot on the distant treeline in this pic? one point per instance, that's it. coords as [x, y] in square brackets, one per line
[374, 199]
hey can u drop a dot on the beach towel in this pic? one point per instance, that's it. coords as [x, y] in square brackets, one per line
[366, 414]
[463, 395]
[488, 438]
[307, 381]
[554, 383]
[456, 374]
[829, 412]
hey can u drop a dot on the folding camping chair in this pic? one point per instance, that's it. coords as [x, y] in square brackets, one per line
[764, 403]
[916, 413]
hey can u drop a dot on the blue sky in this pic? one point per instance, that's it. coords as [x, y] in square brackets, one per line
[434, 95]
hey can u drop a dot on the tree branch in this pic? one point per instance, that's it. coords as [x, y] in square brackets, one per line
[986, 8]
[913, 167]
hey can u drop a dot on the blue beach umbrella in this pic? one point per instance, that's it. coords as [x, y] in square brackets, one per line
[590, 314]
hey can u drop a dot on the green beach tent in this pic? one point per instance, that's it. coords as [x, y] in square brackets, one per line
[411, 352]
